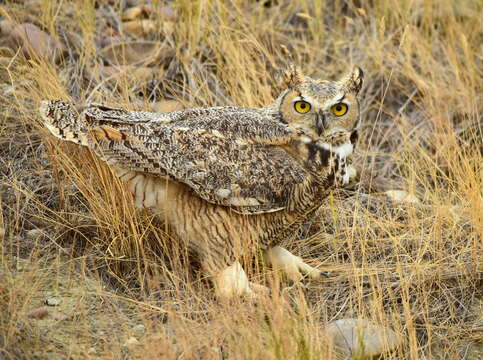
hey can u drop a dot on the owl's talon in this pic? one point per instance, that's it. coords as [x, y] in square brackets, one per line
[233, 282]
[293, 266]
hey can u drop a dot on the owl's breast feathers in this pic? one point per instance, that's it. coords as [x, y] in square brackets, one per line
[236, 157]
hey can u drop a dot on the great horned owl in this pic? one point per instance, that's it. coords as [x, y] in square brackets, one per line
[229, 180]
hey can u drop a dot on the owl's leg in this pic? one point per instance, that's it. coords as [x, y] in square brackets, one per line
[233, 281]
[148, 191]
[293, 266]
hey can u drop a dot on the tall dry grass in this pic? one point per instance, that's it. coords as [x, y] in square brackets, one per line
[70, 229]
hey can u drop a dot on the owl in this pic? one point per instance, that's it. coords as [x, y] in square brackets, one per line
[232, 182]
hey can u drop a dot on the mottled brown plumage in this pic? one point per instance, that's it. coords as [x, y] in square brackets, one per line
[229, 180]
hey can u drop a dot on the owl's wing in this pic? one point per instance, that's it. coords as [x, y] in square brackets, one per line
[227, 156]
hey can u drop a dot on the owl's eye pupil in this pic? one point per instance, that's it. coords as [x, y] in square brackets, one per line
[303, 105]
[338, 108]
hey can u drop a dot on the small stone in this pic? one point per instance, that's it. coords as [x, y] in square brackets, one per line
[139, 28]
[139, 330]
[167, 106]
[402, 196]
[140, 74]
[6, 27]
[35, 234]
[133, 13]
[57, 316]
[31, 40]
[52, 302]
[132, 341]
[110, 40]
[111, 71]
[145, 73]
[166, 13]
[361, 338]
[136, 52]
[91, 351]
[38, 314]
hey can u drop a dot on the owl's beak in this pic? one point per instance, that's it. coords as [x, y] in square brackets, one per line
[320, 122]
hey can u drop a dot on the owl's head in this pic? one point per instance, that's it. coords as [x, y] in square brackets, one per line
[320, 108]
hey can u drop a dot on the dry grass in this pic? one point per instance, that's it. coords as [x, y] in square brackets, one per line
[70, 229]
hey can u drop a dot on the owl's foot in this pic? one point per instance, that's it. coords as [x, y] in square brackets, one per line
[293, 266]
[233, 282]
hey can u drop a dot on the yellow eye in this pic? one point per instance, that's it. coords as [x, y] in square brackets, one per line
[302, 107]
[339, 109]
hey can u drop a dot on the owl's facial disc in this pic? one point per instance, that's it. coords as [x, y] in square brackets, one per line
[305, 113]
[320, 108]
[322, 115]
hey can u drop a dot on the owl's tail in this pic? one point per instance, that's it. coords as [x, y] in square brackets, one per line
[63, 121]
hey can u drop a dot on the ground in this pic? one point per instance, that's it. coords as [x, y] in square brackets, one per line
[401, 244]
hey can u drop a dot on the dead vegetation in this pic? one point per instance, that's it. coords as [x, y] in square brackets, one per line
[127, 290]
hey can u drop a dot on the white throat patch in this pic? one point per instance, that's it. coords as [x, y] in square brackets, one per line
[343, 150]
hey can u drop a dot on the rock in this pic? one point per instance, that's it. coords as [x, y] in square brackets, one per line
[136, 52]
[167, 13]
[167, 106]
[109, 40]
[6, 27]
[52, 302]
[38, 314]
[111, 71]
[402, 196]
[133, 13]
[132, 74]
[145, 73]
[35, 234]
[57, 316]
[132, 341]
[359, 338]
[139, 28]
[32, 42]
[139, 330]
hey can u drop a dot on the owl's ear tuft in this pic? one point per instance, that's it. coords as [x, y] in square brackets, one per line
[292, 77]
[353, 81]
